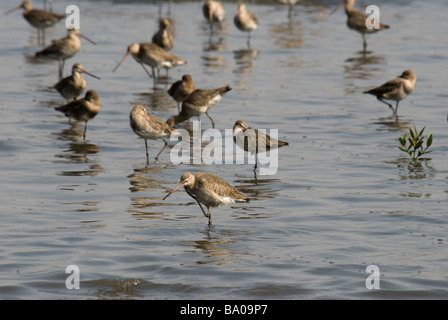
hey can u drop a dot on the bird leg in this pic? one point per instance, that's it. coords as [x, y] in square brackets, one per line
[256, 163]
[163, 148]
[147, 156]
[85, 129]
[396, 108]
[203, 211]
[146, 70]
[364, 42]
[381, 99]
[213, 122]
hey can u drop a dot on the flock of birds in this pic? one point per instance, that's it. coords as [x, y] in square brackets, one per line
[207, 189]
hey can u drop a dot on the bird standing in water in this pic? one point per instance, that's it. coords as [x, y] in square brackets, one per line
[245, 21]
[39, 19]
[181, 89]
[73, 86]
[83, 109]
[148, 126]
[210, 190]
[253, 140]
[199, 102]
[356, 20]
[396, 89]
[64, 48]
[163, 37]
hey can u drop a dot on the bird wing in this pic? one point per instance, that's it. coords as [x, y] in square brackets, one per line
[385, 88]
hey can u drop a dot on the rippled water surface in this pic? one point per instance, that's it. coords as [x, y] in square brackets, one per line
[344, 196]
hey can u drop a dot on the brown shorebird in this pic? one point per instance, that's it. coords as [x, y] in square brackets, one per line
[151, 55]
[213, 12]
[210, 190]
[396, 89]
[163, 37]
[83, 109]
[73, 86]
[181, 89]
[245, 21]
[64, 48]
[39, 19]
[253, 140]
[356, 20]
[148, 126]
[197, 103]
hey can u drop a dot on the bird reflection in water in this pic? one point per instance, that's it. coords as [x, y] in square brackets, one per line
[362, 67]
[217, 248]
[156, 100]
[78, 151]
[287, 35]
[244, 59]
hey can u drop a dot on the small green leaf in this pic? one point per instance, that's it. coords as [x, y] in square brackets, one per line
[421, 132]
[429, 140]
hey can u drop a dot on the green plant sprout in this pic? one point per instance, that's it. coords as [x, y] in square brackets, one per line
[415, 148]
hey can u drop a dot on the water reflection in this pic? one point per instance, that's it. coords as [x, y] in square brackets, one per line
[362, 67]
[393, 123]
[258, 188]
[287, 35]
[146, 179]
[244, 59]
[409, 169]
[156, 100]
[215, 247]
[78, 151]
[214, 44]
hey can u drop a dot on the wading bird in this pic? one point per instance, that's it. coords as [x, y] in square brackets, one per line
[147, 126]
[84, 109]
[39, 19]
[210, 190]
[396, 89]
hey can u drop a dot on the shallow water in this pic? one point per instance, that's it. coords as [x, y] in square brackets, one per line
[344, 197]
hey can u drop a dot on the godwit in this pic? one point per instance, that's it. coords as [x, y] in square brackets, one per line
[148, 126]
[64, 48]
[356, 20]
[181, 89]
[214, 12]
[210, 190]
[253, 140]
[73, 86]
[245, 21]
[39, 19]
[83, 109]
[197, 103]
[163, 37]
[396, 89]
[152, 55]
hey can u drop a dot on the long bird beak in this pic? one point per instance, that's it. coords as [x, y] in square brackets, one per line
[119, 63]
[336, 9]
[172, 191]
[84, 37]
[13, 9]
[92, 75]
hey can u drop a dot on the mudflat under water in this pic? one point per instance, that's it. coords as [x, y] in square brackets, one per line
[344, 196]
